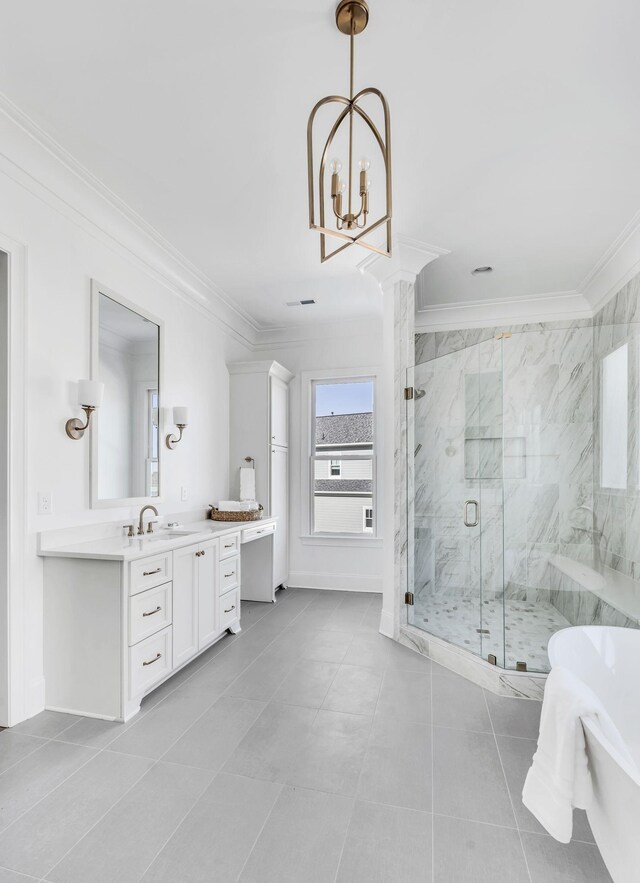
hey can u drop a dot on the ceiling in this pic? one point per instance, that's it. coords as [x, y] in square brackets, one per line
[516, 133]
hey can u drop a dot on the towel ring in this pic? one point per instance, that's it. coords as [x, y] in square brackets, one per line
[250, 460]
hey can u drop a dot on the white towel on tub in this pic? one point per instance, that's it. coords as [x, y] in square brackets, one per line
[559, 777]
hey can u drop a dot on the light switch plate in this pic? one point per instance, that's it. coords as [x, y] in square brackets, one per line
[183, 494]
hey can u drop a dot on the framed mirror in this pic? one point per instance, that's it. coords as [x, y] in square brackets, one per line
[126, 355]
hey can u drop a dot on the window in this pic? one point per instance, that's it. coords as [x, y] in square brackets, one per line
[614, 414]
[342, 447]
[152, 443]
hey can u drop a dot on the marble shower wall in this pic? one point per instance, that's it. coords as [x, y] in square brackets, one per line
[535, 390]
[617, 511]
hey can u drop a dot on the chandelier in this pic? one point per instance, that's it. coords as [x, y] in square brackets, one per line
[350, 214]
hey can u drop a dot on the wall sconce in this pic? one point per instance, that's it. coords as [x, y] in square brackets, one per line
[89, 398]
[181, 419]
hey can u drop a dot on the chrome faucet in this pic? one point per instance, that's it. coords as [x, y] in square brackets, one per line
[141, 522]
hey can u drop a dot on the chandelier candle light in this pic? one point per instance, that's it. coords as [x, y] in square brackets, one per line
[351, 226]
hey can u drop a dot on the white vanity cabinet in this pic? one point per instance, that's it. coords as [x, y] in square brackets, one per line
[115, 629]
[259, 428]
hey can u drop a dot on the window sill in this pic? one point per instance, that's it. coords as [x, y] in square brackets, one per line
[341, 540]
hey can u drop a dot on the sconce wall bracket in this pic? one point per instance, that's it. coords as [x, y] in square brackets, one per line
[172, 440]
[75, 428]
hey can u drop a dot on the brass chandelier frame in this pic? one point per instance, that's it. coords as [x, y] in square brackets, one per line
[352, 17]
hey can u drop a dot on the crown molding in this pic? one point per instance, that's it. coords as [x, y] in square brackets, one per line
[549, 307]
[619, 264]
[408, 257]
[52, 174]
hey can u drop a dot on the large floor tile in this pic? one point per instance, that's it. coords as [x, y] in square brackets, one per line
[397, 764]
[405, 695]
[14, 877]
[471, 852]
[369, 649]
[330, 758]
[404, 659]
[516, 755]
[14, 747]
[212, 739]
[514, 717]
[40, 838]
[269, 748]
[302, 839]
[92, 732]
[262, 678]
[157, 731]
[24, 784]
[458, 703]
[307, 683]
[326, 646]
[215, 839]
[355, 690]
[468, 782]
[47, 724]
[553, 862]
[123, 844]
[386, 844]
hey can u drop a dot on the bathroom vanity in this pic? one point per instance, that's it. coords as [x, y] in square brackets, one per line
[121, 615]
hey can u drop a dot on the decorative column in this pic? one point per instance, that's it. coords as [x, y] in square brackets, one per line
[396, 277]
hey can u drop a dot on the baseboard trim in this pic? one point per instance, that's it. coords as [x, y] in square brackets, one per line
[386, 624]
[342, 582]
[36, 699]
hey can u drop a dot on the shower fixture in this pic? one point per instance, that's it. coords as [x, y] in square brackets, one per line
[419, 393]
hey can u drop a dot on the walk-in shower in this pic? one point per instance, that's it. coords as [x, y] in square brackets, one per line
[523, 486]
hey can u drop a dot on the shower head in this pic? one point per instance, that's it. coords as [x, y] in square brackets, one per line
[419, 393]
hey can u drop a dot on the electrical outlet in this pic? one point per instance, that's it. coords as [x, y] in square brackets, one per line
[45, 503]
[183, 494]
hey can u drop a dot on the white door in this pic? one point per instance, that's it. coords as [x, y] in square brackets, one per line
[279, 412]
[280, 508]
[207, 593]
[185, 604]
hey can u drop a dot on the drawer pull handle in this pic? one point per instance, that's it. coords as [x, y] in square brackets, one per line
[203, 552]
[151, 612]
[233, 607]
[151, 572]
[198, 554]
[229, 545]
[228, 575]
[151, 661]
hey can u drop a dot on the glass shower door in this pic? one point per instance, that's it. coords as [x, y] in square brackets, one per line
[454, 448]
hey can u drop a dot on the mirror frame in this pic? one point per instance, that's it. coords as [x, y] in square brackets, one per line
[96, 503]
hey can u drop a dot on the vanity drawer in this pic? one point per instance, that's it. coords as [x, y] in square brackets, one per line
[149, 612]
[229, 545]
[229, 609]
[254, 533]
[149, 572]
[228, 575]
[149, 662]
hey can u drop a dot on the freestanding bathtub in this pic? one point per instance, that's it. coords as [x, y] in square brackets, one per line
[607, 659]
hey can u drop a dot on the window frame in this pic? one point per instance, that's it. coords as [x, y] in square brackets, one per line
[309, 381]
[625, 344]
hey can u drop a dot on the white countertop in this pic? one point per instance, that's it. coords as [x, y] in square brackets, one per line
[123, 548]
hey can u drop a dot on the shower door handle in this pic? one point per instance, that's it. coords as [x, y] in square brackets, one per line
[468, 522]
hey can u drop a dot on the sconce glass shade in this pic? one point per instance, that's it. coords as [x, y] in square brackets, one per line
[90, 393]
[181, 416]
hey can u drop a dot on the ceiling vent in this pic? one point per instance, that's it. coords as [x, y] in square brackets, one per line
[300, 303]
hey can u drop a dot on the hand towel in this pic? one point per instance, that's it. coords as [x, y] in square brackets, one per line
[559, 777]
[238, 506]
[247, 483]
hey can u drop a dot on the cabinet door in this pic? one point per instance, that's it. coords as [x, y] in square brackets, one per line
[185, 604]
[279, 508]
[279, 412]
[207, 593]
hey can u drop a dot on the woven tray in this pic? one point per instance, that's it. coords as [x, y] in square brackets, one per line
[222, 515]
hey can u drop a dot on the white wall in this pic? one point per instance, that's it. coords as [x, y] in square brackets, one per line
[4, 422]
[62, 257]
[350, 564]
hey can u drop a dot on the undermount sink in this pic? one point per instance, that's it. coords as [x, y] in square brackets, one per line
[166, 535]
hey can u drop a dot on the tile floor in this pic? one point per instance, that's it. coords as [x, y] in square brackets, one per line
[516, 630]
[306, 749]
